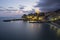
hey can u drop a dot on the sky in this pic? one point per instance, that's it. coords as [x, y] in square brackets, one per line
[48, 5]
[16, 3]
[25, 6]
[22, 5]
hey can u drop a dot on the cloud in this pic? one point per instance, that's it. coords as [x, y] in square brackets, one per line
[21, 7]
[8, 9]
[48, 5]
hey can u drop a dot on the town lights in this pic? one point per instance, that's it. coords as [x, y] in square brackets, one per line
[29, 16]
[40, 18]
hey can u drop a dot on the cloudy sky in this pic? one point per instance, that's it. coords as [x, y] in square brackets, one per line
[16, 3]
[6, 5]
[48, 5]
[28, 5]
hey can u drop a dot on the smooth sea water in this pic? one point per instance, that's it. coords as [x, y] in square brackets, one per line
[20, 30]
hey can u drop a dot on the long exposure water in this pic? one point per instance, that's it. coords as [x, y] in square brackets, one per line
[19, 30]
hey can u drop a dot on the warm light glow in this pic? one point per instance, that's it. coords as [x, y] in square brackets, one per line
[59, 17]
[35, 18]
[40, 18]
[37, 10]
[58, 32]
[29, 16]
[55, 18]
[32, 21]
[52, 19]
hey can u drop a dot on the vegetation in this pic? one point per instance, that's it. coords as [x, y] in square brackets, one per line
[34, 16]
[52, 16]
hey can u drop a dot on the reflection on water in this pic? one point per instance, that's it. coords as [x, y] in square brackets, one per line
[19, 30]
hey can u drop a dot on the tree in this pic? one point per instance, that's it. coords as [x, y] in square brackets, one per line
[24, 16]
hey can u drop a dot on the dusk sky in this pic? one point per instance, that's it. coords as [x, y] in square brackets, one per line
[27, 5]
[17, 3]
[48, 5]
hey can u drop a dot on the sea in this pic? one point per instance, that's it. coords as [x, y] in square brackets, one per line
[21, 30]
